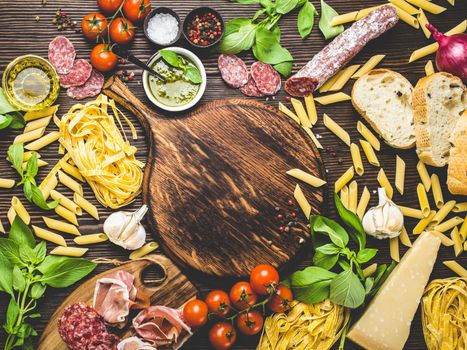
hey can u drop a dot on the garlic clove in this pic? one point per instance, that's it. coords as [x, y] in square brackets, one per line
[137, 240]
[124, 228]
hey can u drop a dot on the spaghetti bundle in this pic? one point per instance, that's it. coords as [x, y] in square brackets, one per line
[103, 155]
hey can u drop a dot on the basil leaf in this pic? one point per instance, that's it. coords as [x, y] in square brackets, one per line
[10, 250]
[347, 290]
[37, 290]
[365, 255]
[12, 315]
[306, 19]
[285, 6]
[328, 249]
[39, 200]
[170, 57]
[309, 276]
[267, 47]
[5, 121]
[284, 68]
[15, 155]
[240, 40]
[235, 24]
[17, 120]
[6, 274]
[344, 264]
[352, 221]
[21, 233]
[332, 229]
[31, 166]
[246, 1]
[268, 5]
[19, 282]
[40, 250]
[27, 190]
[60, 272]
[192, 74]
[325, 261]
[369, 281]
[315, 293]
[27, 255]
[382, 273]
[327, 14]
[5, 106]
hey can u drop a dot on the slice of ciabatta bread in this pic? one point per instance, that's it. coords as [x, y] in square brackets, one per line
[457, 165]
[384, 98]
[438, 102]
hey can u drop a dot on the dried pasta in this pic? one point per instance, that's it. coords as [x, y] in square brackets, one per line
[7, 183]
[363, 202]
[394, 249]
[344, 196]
[423, 200]
[445, 240]
[369, 65]
[306, 177]
[384, 182]
[428, 6]
[345, 18]
[283, 108]
[423, 22]
[443, 211]
[429, 69]
[456, 238]
[91, 239]
[37, 124]
[67, 203]
[301, 113]
[369, 153]
[336, 129]
[449, 224]
[43, 141]
[460, 207]
[344, 179]
[400, 174]
[357, 159]
[405, 6]
[66, 214]
[20, 210]
[404, 238]
[353, 196]
[407, 18]
[313, 138]
[29, 136]
[424, 176]
[370, 270]
[368, 136]
[411, 212]
[87, 206]
[69, 182]
[61, 226]
[70, 170]
[302, 201]
[456, 267]
[46, 112]
[330, 82]
[144, 250]
[311, 109]
[436, 190]
[69, 251]
[344, 77]
[49, 236]
[333, 98]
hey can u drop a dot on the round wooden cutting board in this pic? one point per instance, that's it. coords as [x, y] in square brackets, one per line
[215, 178]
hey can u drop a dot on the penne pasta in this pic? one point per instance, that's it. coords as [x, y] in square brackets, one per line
[49, 235]
[70, 170]
[66, 214]
[460, 207]
[46, 112]
[463, 229]
[369, 153]
[400, 174]
[443, 212]
[344, 196]
[456, 238]
[67, 203]
[49, 185]
[394, 249]
[363, 13]
[313, 138]
[353, 196]
[288, 112]
[330, 82]
[423, 22]
[69, 182]
[43, 141]
[302, 202]
[436, 190]
[7, 183]
[449, 224]
[456, 268]
[344, 77]
[40, 163]
[333, 98]
[363, 203]
[384, 182]
[11, 214]
[311, 109]
[356, 159]
[37, 124]
[87, 206]
[300, 112]
[29, 136]
[370, 270]
[69, 251]
[91, 239]
[406, 17]
[344, 179]
[369, 65]
[428, 6]
[445, 240]
[345, 18]
[404, 238]
[423, 200]
[61, 226]
[405, 6]
[424, 176]
[306, 177]
[452, 2]
[411, 212]
[336, 129]
[144, 250]
[429, 69]
[423, 223]
[368, 136]
[20, 210]
[27, 155]
[2, 229]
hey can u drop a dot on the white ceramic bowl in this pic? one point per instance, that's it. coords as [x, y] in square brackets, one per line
[183, 52]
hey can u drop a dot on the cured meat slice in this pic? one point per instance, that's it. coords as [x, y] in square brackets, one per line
[62, 54]
[250, 88]
[134, 343]
[105, 341]
[91, 88]
[267, 80]
[340, 51]
[233, 70]
[79, 74]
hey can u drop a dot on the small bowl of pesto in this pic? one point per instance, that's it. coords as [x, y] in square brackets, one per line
[184, 79]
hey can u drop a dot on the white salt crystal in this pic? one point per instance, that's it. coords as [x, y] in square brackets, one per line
[163, 28]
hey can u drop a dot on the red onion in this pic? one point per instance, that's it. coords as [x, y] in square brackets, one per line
[452, 53]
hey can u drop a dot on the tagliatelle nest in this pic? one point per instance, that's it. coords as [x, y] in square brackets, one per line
[103, 155]
[444, 314]
[317, 326]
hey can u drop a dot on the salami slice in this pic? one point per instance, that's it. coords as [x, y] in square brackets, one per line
[340, 51]
[62, 54]
[91, 88]
[105, 341]
[250, 88]
[78, 75]
[267, 80]
[233, 70]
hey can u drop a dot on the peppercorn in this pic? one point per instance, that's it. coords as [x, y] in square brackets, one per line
[289, 202]
[204, 29]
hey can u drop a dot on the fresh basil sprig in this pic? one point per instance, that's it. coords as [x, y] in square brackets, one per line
[9, 116]
[327, 14]
[25, 273]
[15, 155]
[189, 69]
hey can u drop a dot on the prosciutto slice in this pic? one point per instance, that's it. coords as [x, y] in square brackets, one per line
[134, 343]
[161, 326]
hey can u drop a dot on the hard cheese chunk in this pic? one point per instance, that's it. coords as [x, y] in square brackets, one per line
[385, 325]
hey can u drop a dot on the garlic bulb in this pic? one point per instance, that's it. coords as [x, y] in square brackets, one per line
[124, 228]
[385, 220]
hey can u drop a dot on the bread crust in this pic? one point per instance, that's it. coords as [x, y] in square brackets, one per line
[457, 169]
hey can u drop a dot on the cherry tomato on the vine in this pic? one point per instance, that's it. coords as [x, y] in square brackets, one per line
[218, 303]
[94, 25]
[122, 31]
[281, 300]
[222, 336]
[102, 58]
[195, 313]
[250, 323]
[242, 296]
[109, 6]
[262, 277]
[136, 10]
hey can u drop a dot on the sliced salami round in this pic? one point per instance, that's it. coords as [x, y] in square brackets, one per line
[267, 80]
[250, 88]
[62, 54]
[91, 88]
[233, 70]
[105, 341]
[78, 75]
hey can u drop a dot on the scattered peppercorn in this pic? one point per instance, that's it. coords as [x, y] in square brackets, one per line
[288, 98]
[37, 18]
[64, 22]
[205, 29]
[280, 216]
[289, 202]
[282, 228]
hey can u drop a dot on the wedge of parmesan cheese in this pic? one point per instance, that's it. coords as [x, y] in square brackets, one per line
[385, 324]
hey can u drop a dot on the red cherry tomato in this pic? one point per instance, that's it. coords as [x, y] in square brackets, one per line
[195, 313]
[250, 323]
[242, 296]
[94, 25]
[222, 336]
[262, 277]
[109, 6]
[102, 58]
[136, 10]
[280, 301]
[122, 31]
[218, 303]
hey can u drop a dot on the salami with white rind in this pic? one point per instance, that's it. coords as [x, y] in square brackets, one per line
[250, 89]
[267, 80]
[79, 74]
[62, 54]
[340, 51]
[91, 88]
[233, 70]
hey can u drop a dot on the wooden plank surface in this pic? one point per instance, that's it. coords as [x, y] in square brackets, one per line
[21, 34]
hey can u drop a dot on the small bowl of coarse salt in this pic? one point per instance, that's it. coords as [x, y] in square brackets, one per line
[162, 26]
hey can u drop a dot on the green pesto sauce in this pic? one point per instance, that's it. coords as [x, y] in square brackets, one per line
[177, 90]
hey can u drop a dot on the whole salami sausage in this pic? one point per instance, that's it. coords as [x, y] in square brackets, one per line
[340, 51]
[62, 54]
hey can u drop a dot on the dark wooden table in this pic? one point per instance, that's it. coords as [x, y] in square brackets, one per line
[26, 28]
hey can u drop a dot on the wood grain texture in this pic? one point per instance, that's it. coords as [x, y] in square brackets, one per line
[212, 198]
[162, 293]
[21, 34]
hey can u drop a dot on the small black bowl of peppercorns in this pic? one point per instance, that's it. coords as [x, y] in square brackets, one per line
[203, 27]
